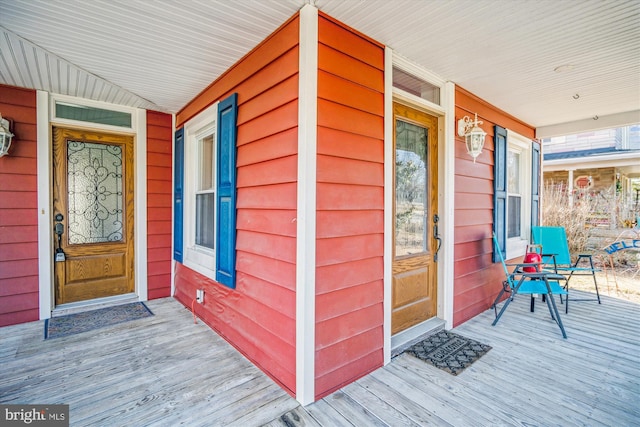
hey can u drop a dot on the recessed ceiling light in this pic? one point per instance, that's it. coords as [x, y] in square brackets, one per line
[565, 67]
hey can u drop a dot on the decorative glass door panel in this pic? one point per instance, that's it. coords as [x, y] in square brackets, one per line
[411, 188]
[96, 196]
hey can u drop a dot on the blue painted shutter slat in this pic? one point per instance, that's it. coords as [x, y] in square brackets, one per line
[178, 193]
[500, 190]
[226, 192]
[535, 184]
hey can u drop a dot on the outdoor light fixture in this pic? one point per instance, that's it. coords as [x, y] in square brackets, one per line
[473, 135]
[5, 136]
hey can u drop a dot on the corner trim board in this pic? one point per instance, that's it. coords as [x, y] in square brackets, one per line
[306, 205]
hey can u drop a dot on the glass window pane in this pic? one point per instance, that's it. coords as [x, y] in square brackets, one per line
[92, 115]
[206, 163]
[411, 189]
[95, 186]
[513, 222]
[204, 220]
[513, 170]
[416, 86]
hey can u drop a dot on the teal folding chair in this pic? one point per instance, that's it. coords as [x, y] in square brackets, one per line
[556, 258]
[528, 283]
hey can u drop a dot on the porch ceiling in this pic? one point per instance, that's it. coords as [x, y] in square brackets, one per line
[159, 54]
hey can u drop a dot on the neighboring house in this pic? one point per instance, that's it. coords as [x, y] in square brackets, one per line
[304, 185]
[603, 165]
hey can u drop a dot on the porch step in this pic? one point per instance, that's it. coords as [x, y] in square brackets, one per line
[81, 306]
[405, 339]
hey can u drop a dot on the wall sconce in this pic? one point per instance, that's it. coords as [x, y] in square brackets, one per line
[5, 136]
[473, 135]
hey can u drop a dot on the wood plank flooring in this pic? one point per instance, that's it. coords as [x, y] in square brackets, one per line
[166, 371]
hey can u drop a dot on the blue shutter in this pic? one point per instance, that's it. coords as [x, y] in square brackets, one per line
[178, 193]
[500, 190]
[535, 184]
[226, 192]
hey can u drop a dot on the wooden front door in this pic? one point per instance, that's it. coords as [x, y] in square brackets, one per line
[415, 195]
[92, 215]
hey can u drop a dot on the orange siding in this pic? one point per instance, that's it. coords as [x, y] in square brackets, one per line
[159, 183]
[477, 280]
[258, 317]
[349, 223]
[19, 299]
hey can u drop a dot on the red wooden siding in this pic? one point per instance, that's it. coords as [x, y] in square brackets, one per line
[258, 317]
[19, 210]
[350, 205]
[477, 279]
[159, 188]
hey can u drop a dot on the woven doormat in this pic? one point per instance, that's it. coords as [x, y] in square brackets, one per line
[448, 351]
[63, 326]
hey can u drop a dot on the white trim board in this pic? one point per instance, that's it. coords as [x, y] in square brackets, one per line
[140, 204]
[388, 203]
[45, 228]
[306, 217]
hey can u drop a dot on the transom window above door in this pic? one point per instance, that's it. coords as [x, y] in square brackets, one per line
[416, 86]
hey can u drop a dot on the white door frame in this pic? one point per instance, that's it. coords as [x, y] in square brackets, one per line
[45, 194]
[446, 178]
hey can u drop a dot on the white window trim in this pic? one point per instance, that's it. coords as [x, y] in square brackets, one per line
[94, 104]
[197, 258]
[421, 74]
[517, 246]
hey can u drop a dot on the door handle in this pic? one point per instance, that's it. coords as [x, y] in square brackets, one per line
[58, 229]
[436, 236]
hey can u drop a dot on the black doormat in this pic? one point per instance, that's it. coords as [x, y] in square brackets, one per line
[448, 351]
[63, 326]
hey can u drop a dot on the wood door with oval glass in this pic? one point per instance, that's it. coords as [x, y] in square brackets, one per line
[93, 215]
[414, 286]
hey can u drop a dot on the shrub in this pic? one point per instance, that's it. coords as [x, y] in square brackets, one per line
[556, 211]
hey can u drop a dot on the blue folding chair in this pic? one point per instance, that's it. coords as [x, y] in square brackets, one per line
[528, 283]
[556, 258]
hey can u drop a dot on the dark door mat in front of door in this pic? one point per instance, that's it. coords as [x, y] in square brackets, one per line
[450, 352]
[86, 321]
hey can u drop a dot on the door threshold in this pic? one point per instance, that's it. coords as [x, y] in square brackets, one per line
[93, 304]
[405, 339]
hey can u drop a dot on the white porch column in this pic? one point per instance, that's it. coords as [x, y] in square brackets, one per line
[570, 188]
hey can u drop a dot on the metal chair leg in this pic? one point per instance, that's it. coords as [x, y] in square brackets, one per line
[595, 282]
[558, 320]
[504, 307]
[507, 301]
[505, 289]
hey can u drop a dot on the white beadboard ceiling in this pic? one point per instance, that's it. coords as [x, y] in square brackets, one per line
[159, 54]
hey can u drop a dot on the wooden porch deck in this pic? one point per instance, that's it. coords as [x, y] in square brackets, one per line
[166, 371]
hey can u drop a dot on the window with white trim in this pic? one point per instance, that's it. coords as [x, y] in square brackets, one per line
[199, 192]
[518, 194]
[205, 192]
